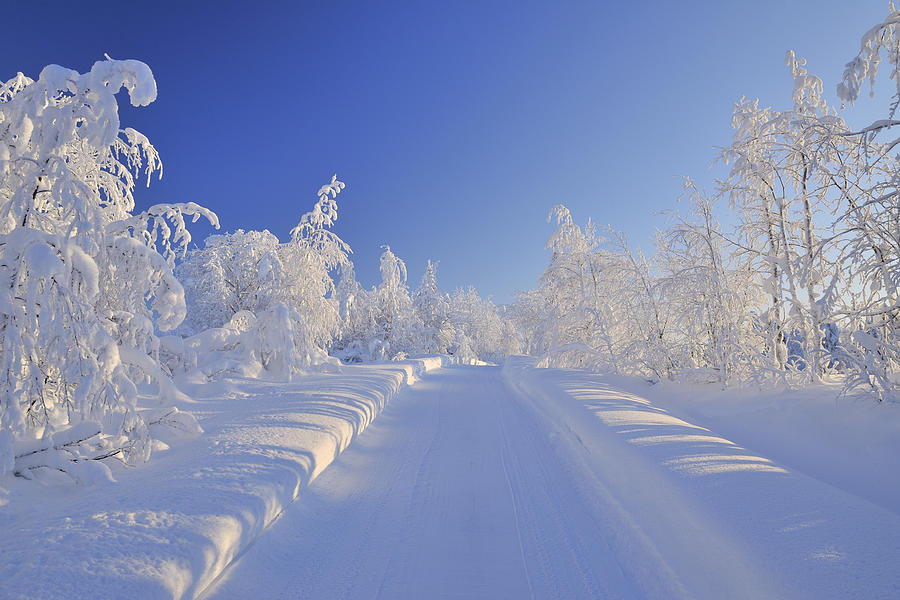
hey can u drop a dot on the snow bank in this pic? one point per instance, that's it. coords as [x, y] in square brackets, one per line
[849, 443]
[169, 528]
[713, 518]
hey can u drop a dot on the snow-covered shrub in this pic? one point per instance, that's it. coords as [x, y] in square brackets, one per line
[257, 304]
[87, 281]
[479, 331]
[233, 272]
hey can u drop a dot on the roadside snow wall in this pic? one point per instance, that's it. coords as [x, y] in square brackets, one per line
[701, 514]
[169, 528]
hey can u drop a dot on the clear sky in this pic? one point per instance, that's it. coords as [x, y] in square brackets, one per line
[456, 125]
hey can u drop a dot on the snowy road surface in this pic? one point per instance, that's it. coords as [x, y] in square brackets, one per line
[545, 484]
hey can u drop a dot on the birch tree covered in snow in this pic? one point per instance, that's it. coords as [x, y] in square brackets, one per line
[87, 281]
[795, 174]
[709, 301]
[872, 221]
[804, 287]
[570, 313]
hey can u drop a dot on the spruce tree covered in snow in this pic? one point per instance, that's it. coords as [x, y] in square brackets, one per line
[433, 310]
[398, 330]
[87, 281]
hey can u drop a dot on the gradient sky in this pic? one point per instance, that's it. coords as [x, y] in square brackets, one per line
[456, 125]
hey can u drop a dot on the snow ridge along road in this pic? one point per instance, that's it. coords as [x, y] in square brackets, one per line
[478, 483]
[169, 528]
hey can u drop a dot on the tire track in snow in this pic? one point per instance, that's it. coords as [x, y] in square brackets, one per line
[512, 497]
[464, 488]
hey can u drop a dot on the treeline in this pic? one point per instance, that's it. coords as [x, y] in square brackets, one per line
[805, 285]
[257, 304]
[93, 307]
[94, 312]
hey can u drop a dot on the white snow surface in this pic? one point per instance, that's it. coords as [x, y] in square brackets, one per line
[168, 528]
[545, 483]
[480, 482]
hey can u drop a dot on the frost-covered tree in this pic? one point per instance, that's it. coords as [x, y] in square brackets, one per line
[792, 173]
[882, 40]
[357, 313]
[871, 225]
[87, 281]
[432, 308]
[287, 289]
[646, 330]
[232, 272]
[571, 310]
[398, 328]
[312, 257]
[710, 302]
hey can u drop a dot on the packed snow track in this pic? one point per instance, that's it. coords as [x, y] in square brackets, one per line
[454, 491]
[469, 486]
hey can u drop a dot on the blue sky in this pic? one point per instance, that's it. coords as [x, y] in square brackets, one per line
[456, 125]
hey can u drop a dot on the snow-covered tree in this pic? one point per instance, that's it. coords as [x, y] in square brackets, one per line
[232, 272]
[792, 173]
[357, 313]
[287, 288]
[871, 227]
[433, 310]
[87, 281]
[397, 326]
[312, 257]
[571, 310]
[709, 302]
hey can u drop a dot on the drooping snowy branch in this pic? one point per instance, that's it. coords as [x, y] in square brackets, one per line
[86, 285]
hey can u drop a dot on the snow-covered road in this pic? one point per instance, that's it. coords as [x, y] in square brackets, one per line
[467, 487]
[454, 491]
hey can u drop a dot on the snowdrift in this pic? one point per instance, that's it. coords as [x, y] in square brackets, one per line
[169, 528]
[699, 513]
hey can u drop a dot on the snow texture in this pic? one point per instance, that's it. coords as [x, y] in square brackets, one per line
[731, 519]
[545, 483]
[478, 482]
[168, 529]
